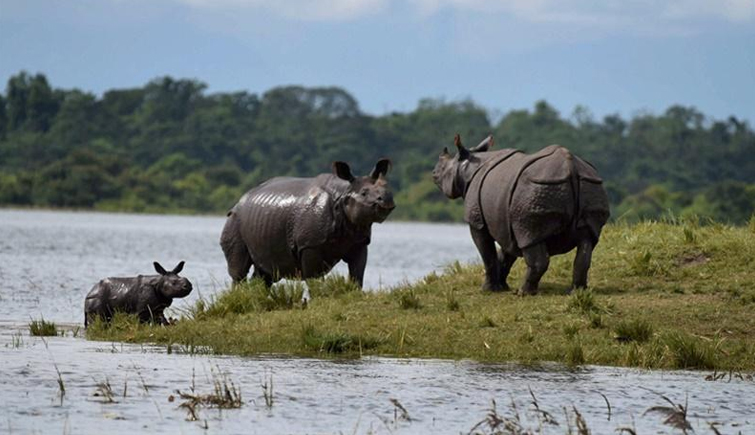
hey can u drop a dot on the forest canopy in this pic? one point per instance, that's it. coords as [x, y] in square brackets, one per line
[170, 146]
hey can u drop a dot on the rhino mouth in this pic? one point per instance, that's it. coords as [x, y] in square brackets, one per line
[382, 211]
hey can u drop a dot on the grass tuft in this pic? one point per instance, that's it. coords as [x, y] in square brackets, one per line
[332, 286]
[452, 303]
[688, 352]
[583, 301]
[487, 322]
[335, 342]
[644, 264]
[42, 328]
[637, 330]
[408, 299]
[575, 354]
[250, 296]
[571, 330]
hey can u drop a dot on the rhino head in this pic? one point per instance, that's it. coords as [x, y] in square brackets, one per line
[170, 284]
[453, 173]
[368, 199]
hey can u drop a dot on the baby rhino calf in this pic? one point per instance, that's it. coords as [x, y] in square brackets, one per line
[144, 295]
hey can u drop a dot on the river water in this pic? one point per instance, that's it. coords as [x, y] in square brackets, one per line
[50, 260]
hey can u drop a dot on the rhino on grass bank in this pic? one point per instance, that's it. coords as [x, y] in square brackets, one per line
[301, 227]
[147, 296]
[532, 205]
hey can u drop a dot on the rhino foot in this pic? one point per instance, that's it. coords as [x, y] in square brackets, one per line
[489, 287]
[526, 292]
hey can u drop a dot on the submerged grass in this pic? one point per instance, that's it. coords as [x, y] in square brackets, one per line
[42, 328]
[686, 305]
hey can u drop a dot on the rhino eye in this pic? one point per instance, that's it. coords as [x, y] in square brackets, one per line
[364, 193]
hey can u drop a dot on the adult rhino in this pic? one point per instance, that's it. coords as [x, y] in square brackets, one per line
[147, 296]
[301, 227]
[533, 205]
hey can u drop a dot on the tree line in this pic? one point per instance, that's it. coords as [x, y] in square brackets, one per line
[170, 146]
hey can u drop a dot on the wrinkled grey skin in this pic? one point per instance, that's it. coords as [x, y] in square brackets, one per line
[532, 206]
[301, 227]
[144, 295]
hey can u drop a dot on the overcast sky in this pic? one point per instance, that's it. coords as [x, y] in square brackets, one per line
[610, 56]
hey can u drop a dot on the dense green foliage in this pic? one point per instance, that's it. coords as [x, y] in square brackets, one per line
[170, 146]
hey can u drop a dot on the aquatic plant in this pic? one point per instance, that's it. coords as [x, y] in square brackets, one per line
[225, 395]
[105, 392]
[676, 414]
[267, 392]
[42, 328]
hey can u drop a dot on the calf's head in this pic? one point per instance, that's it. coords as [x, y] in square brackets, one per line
[452, 173]
[369, 199]
[170, 284]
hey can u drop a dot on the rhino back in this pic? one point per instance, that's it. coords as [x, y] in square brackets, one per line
[529, 198]
[281, 217]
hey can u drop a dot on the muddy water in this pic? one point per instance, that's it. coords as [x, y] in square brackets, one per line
[48, 261]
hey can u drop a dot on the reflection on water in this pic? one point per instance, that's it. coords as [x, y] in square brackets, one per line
[49, 260]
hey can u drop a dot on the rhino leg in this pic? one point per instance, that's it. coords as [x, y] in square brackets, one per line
[582, 262]
[264, 276]
[486, 246]
[357, 261]
[235, 250]
[537, 259]
[506, 261]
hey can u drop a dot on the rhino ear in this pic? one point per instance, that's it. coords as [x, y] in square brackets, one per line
[444, 153]
[381, 168]
[159, 268]
[483, 146]
[178, 268]
[343, 171]
[463, 152]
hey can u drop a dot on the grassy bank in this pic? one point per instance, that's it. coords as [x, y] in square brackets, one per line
[662, 296]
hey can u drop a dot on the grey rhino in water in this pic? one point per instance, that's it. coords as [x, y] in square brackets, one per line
[301, 227]
[533, 205]
[144, 295]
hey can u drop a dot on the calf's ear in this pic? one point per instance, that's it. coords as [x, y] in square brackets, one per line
[159, 268]
[381, 168]
[343, 171]
[178, 268]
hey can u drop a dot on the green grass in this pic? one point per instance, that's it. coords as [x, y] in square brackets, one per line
[672, 299]
[42, 328]
[637, 330]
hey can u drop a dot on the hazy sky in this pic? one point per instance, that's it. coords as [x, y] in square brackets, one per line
[611, 56]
